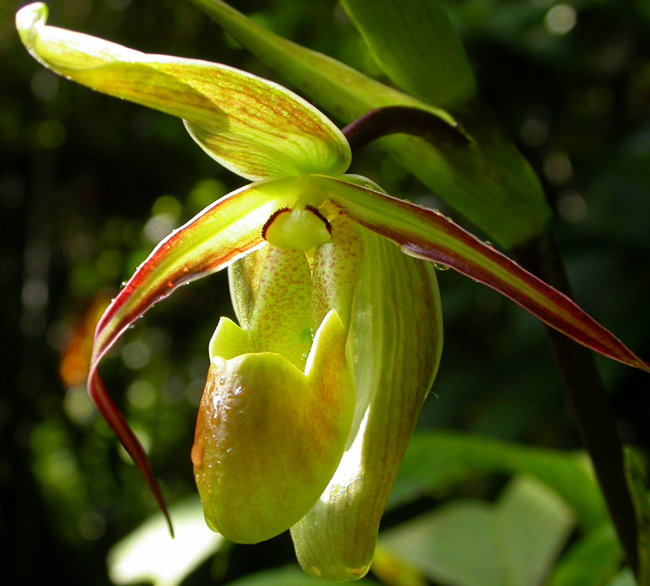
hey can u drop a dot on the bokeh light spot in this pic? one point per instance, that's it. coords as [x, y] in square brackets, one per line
[204, 193]
[135, 355]
[141, 394]
[560, 19]
[44, 84]
[558, 168]
[78, 406]
[572, 207]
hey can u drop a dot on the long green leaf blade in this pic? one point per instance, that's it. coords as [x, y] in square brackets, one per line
[417, 46]
[593, 561]
[435, 461]
[342, 90]
[636, 472]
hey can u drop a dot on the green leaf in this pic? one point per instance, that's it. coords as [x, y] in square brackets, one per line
[345, 92]
[428, 235]
[636, 472]
[255, 128]
[148, 554]
[593, 561]
[625, 578]
[488, 180]
[534, 523]
[470, 543]
[457, 544]
[435, 461]
[417, 46]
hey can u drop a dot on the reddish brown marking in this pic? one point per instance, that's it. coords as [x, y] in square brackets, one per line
[270, 221]
[320, 216]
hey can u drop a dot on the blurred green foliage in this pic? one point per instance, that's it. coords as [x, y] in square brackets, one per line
[88, 185]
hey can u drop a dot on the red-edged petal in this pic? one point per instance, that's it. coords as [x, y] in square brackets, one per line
[219, 235]
[428, 234]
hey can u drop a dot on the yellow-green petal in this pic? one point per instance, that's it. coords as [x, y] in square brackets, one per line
[254, 127]
[396, 342]
[278, 408]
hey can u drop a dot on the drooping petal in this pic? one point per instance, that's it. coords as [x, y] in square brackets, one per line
[396, 329]
[216, 237]
[254, 127]
[429, 235]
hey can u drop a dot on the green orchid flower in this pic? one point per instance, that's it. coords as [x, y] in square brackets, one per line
[310, 401]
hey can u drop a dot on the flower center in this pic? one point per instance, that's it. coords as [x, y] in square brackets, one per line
[301, 228]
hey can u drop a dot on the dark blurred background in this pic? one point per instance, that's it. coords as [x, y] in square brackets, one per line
[89, 184]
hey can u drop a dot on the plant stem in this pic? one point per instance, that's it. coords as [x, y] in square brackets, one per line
[588, 398]
[540, 256]
[381, 122]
